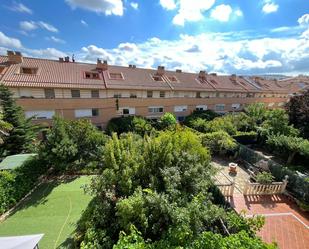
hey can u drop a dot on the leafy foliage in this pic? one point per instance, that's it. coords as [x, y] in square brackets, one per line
[264, 177]
[73, 145]
[203, 115]
[168, 120]
[257, 113]
[298, 111]
[219, 142]
[15, 184]
[287, 145]
[22, 132]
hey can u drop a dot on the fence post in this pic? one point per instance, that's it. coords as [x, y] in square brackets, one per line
[284, 184]
[246, 187]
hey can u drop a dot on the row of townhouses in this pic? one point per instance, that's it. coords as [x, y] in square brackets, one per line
[100, 91]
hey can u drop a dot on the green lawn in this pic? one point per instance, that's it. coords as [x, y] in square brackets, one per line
[53, 210]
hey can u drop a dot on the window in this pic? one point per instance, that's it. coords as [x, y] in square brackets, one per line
[128, 111]
[157, 78]
[198, 95]
[40, 114]
[155, 109]
[95, 112]
[84, 113]
[49, 93]
[133, 95]
[181, 108]
[235, 106]
[75, 93]
[92, 75]
[28, 70]
[172, 78]
[117, 95]
[162, 94]
[220, 107]
[95, 94]
[181, 118]
[25, 93]
[149, 94]
[201, 107]
[116, 76]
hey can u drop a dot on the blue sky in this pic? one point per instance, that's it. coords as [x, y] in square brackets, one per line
[223, 36]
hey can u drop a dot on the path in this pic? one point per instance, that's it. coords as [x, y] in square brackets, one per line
[285, 223]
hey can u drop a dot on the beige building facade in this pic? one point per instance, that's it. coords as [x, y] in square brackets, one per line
[100, 92]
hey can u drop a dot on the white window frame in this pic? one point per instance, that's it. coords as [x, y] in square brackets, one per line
[201, 107]
[83, 113]
[155, 109]
[220, 107]
[25, 92]
[235, 106]
[131, 110]
[180, 108]
[40, 114]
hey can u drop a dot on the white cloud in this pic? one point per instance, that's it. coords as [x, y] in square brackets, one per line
[191, 10]
[128, 47]
[28, 25]
[31, 25]
[270, 7]
[238, 13]
[168, 4]
[134, 5]
[19, 7]
[55, 39]
[9, 41]
[107, 7]
[50, 53]
[221, 13]
[304, 20]
[84, 23]
[47, 26]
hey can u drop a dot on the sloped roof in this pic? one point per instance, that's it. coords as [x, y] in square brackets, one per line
[55, 74]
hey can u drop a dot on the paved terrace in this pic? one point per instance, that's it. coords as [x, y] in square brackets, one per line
[285, 222]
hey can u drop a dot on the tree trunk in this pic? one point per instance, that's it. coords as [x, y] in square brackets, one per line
[291, 157]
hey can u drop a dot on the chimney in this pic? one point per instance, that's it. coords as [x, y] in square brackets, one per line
[61, 59]
[202, 75]
[14, 57]
[161, 70]
[102, 66]
[67, 59]
[178, 70]
[233, 77]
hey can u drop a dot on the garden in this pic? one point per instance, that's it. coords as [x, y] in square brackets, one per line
[152, 183]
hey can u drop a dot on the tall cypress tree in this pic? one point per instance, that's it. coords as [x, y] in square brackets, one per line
[23, 132]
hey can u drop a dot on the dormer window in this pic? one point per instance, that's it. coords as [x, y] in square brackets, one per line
[157, 78]
[172, 78]
[28, 70]
[91, 75]
[116, 76]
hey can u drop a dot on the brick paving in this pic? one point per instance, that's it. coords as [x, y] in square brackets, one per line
[285, 223]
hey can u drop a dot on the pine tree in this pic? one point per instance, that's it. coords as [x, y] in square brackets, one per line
[23, 132]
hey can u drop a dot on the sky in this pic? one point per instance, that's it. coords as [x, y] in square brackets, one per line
[222, 36]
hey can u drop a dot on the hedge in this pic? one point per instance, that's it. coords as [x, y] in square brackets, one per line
[246, 137]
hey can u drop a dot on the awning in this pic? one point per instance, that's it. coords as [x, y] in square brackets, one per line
[20, 242]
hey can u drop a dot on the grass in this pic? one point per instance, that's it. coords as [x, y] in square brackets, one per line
[53, 209]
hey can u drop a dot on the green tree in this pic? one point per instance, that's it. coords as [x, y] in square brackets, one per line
[4, 130]
[287, 145]
[256, 112]
[168, 120]
[72, 145]
[23, 133]
[298, 111]
[219, 142]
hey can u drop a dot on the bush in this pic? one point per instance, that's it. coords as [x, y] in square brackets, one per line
[249, 137]
[121, 125]
[264, 177]
[73, 145]
[168, 120]
[15, 184]
[219, 142]
[204, 115]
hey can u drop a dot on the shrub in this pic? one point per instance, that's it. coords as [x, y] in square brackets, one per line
[168, 120]
[221, 124]
[264, 177]
[15, 184]
[72, 145]
[219, 142]
[204, 115]
[249, 137]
